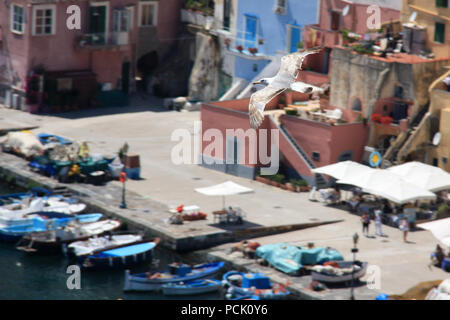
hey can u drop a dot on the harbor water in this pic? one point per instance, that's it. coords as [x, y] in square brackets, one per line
[27, 276]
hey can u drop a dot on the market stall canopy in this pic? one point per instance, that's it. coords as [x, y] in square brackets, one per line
[224, 189]
[388, 185]
[439, 228]
[344, 169]
[423, 175]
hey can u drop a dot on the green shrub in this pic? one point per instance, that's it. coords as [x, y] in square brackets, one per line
[299, 182]
[443, 211]
[291, 112]
[277, 178]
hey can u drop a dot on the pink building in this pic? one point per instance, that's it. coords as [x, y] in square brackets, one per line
[337, 15]
[43, 62]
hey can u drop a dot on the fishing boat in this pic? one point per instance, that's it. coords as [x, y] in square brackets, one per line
[249, 285]
[120, 257]
[177, 273]
[38, 224]
[46, 138]
[343, 271]
[96, 244]
[56, 240]
[191, 287]
[19, 196]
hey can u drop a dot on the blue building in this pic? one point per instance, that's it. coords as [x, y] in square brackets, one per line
[262, 29]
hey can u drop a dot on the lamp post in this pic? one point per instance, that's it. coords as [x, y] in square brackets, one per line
[123, 178]
[354, 251]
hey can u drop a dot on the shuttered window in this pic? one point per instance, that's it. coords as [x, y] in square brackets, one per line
[439, 32]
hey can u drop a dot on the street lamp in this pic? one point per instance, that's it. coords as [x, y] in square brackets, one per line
[354, 251]
[123, 178]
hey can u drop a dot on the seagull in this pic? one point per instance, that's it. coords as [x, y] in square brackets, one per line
[285, 78]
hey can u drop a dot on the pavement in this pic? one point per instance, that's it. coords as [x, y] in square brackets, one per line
[148, 129]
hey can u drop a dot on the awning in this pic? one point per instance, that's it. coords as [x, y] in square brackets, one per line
[388, 185]
[423, 175]
[344, 169]
[224, 189]
[439, 228]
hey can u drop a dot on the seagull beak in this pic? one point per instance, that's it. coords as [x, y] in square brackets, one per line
[256, 82]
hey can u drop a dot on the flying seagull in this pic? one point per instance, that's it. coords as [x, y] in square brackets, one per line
[290, 65]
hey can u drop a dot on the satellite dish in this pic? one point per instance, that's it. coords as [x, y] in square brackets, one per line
[413, 16]
[437, 139]
[345, 10]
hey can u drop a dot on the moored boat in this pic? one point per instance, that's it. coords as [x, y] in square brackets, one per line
[343, 271]
[249, 285]
[176, 273]
[55, 241]
[192, 287]
[97, 244]
[120, 257]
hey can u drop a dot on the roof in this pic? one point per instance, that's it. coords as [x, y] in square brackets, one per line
[392, 4]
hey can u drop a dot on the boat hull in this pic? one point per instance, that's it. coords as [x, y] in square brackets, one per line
[317, 276]
[189, 289]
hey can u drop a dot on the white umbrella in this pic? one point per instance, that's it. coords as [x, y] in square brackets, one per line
[389, 186]
[440, 229]
[343, 169]
[423, 175]
[224, 189]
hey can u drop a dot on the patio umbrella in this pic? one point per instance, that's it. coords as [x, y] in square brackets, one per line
[388, 185]
[423, 175]
[224, 189]
[343, 169]
[439, 228]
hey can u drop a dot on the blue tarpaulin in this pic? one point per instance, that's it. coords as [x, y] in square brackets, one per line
[290, 259]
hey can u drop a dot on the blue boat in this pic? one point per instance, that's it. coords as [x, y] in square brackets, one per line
[46, 138]
[39, 224]
[19, 196]
[250, 285]
[176, 273]
[192, 287]
[120, 257]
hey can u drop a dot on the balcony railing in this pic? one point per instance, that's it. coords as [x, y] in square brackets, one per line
[101, 40]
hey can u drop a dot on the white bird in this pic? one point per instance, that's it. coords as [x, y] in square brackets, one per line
[286, 76]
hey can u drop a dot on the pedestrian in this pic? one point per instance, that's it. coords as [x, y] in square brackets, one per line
[365, 219]
[404, 226]
[378, 224]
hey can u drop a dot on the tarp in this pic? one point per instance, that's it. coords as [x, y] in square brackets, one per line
[224, 189]
[344, 169]
[290, 259]
[23, 142]
[440, 229]
[423, 175]
[388, 185]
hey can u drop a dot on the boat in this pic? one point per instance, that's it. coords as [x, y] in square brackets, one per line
[120, 257]
[250, 285]
[46, 138]
[15, 232]
[343, 272]
[191, 287]
[177, 273]
[19, 196]
[56, 240]
[95, 244]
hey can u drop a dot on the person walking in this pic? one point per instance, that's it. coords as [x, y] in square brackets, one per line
[365, 219]
[404, 226]
[378, 223]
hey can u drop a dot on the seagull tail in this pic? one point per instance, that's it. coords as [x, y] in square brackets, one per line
[256, 116]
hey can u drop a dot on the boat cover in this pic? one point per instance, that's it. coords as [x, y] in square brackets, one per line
[290, 259]
[129, 250]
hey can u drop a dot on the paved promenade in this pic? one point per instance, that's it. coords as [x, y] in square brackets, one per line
[148, 132]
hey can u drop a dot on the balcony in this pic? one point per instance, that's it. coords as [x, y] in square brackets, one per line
[97, 41]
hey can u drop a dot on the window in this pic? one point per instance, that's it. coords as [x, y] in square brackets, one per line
[316, 156]
[357, 105]
[44, 20]
[122, 21]
[17, 19]
[442, 3]
[439, 32]
[148, 13]
[280, 6]
[226, 14]
[335, 20]
[295, 36]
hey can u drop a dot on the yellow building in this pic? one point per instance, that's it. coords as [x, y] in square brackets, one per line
[434, 15]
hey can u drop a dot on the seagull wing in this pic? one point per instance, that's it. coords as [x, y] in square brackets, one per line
[290, 64]
[258, 102]
[306, 88]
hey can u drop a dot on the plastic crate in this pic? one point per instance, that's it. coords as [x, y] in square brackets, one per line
[256, 280]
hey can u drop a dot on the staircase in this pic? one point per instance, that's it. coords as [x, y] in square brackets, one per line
[319, 180]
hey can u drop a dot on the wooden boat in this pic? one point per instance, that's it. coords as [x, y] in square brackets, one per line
[192, 287]
[55, 241]
[176, 273]
[23, 227]
[248, 286]
[346, 275]
[120, 257]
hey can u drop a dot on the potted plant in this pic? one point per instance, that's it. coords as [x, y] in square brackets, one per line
[300, 45]
[376, 117]
[291, 111]
[386, 120]
[239, 48]
[253, 51]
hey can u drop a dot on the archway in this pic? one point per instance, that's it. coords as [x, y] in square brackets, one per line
[357, 105]
[146, 65]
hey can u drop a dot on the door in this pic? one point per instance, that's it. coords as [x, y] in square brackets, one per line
[125, 76]
[97, 24]
[295, 38]
[231, 163]
[251, 24]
